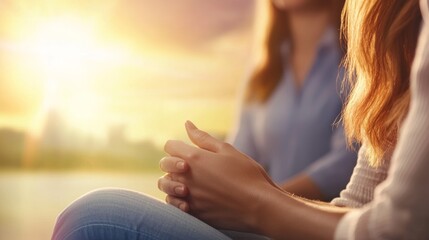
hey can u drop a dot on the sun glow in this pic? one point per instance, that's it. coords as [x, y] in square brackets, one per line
[100, 64]
[62, 48]
[63, 44]
[69, 54]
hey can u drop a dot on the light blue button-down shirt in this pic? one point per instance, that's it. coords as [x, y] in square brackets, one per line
[293, 131]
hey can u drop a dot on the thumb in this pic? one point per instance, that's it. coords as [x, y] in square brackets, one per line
[201, 138]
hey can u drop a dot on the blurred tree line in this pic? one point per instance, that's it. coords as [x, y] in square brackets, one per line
[18, 151]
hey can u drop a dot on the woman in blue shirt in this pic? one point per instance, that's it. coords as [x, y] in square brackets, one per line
[292, 101]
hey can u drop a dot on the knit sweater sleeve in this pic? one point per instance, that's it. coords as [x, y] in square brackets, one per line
[399, 209]
[360, 189]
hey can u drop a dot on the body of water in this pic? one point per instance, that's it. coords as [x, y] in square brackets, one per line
[31, 201]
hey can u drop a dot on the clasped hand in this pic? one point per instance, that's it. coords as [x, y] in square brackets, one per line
[213, 181]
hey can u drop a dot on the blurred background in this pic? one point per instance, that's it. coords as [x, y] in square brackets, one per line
[90, 91]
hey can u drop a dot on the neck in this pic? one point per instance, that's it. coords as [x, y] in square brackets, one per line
[306, 29]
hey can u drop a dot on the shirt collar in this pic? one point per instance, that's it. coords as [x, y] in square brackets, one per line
[328, 40]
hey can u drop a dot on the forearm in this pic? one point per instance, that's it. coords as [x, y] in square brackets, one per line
[228, 190]
[281, 215]
[303, 186]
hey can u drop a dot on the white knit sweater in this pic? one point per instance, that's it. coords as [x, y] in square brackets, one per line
[399, 208]
[364, 180]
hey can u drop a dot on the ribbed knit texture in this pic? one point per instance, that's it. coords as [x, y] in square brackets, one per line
[365, 178]
[400, 208]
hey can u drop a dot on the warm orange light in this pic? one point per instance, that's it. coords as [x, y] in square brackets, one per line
[63, 48]
[98, 67]
[63, 44]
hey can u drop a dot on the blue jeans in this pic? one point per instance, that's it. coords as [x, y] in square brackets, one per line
[118, 214]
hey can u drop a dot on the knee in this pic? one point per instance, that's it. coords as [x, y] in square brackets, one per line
[104, 207]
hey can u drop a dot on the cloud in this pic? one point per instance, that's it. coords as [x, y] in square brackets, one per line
[185, 23]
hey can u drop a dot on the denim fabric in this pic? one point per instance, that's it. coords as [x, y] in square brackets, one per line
[118, 214]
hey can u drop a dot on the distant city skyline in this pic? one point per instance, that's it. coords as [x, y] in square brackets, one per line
[148, 65]
[60, 147]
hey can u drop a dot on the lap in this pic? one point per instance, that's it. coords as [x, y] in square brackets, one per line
[121, 214]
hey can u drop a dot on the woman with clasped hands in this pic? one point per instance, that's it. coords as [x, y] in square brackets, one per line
[221, 188]
[226, 189]
[387, 194]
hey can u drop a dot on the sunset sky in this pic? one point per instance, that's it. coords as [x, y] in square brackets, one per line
[146, 64]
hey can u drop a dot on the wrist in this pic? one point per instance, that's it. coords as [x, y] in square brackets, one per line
[280, 214]
[266, 204]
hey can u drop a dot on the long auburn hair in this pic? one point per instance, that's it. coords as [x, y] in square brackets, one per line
[381, 40]
[268, 74]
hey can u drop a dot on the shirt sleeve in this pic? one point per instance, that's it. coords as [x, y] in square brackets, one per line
[242, 137]
[399, 209]
[332, 172]
[362, 184]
